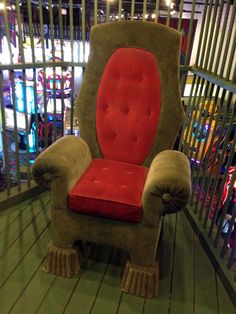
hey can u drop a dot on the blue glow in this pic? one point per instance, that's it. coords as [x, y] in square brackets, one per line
[21, 98]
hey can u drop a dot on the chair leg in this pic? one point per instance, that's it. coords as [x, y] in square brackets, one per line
[62, 261]
[141, 274]
[140, 280]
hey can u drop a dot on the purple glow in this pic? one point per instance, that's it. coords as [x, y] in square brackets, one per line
[197, 161]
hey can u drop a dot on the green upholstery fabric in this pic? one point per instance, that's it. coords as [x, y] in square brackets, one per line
[60, 166]
[168, 186]
[164, 43]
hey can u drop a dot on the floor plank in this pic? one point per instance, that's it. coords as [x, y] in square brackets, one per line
[7, 217]
[34, 292]
[110, 290]
[204, 282]
[22, 246]
[182, 290]
[85, 293]
[225, 304]
[59, 291]
[192, 287]
[130, 304]
[21, 222]
[24, 273]
[165, 253]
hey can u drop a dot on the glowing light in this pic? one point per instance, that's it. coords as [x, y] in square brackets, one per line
[63, 11]
[2, 6]
[153, 15]
[146, 16]
[197, 161]
[172, 12]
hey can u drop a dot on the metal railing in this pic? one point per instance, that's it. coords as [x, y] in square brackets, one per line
[43, 52]
[44, 47]
[209, 138]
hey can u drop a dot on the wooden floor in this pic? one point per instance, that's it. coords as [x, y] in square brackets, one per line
[188, 283]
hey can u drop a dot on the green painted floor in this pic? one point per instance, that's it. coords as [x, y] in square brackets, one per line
[188, 283]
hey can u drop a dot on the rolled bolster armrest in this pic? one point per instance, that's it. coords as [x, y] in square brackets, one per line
[66, 160]
[168, 184]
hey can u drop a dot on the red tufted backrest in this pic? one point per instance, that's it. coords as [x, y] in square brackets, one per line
[128, 105]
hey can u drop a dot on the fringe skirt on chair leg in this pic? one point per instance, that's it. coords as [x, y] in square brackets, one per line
[140, 281]
[62, 261]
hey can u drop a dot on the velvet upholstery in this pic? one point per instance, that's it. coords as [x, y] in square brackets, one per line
[128, 101]
[167, 186]
[164, 43]
[110, 189]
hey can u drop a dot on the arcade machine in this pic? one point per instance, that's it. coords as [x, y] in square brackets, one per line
[57, 84]
[27, 95]
[216, 145]
[200, 129]
[217, 149]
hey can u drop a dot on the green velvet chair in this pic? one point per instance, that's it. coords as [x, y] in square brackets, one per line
[115, 183]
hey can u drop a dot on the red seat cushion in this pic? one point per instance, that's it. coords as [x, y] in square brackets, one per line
[110, 189]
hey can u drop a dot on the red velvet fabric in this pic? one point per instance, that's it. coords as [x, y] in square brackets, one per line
[128, 105]
[110, 189]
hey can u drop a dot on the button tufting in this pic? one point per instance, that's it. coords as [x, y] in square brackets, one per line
[134, 138]
[47, 176]
[105, 107]
[126, 110]
[116, 76]
[140, 79]
[167, 198]
[148, 113]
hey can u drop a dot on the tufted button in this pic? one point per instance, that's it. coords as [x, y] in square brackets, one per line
[140, 79]
[134, 138]
[125, 110]
[105, 107]
[167, 198]
[148, 112]
[116, 76]
[47, 176]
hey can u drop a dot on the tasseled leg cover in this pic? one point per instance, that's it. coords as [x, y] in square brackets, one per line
[140, 281]
[62, 261]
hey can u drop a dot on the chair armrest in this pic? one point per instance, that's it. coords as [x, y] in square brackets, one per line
[168, 185]
[60, 166]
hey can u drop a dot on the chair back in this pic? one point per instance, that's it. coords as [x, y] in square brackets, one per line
[129, 106]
